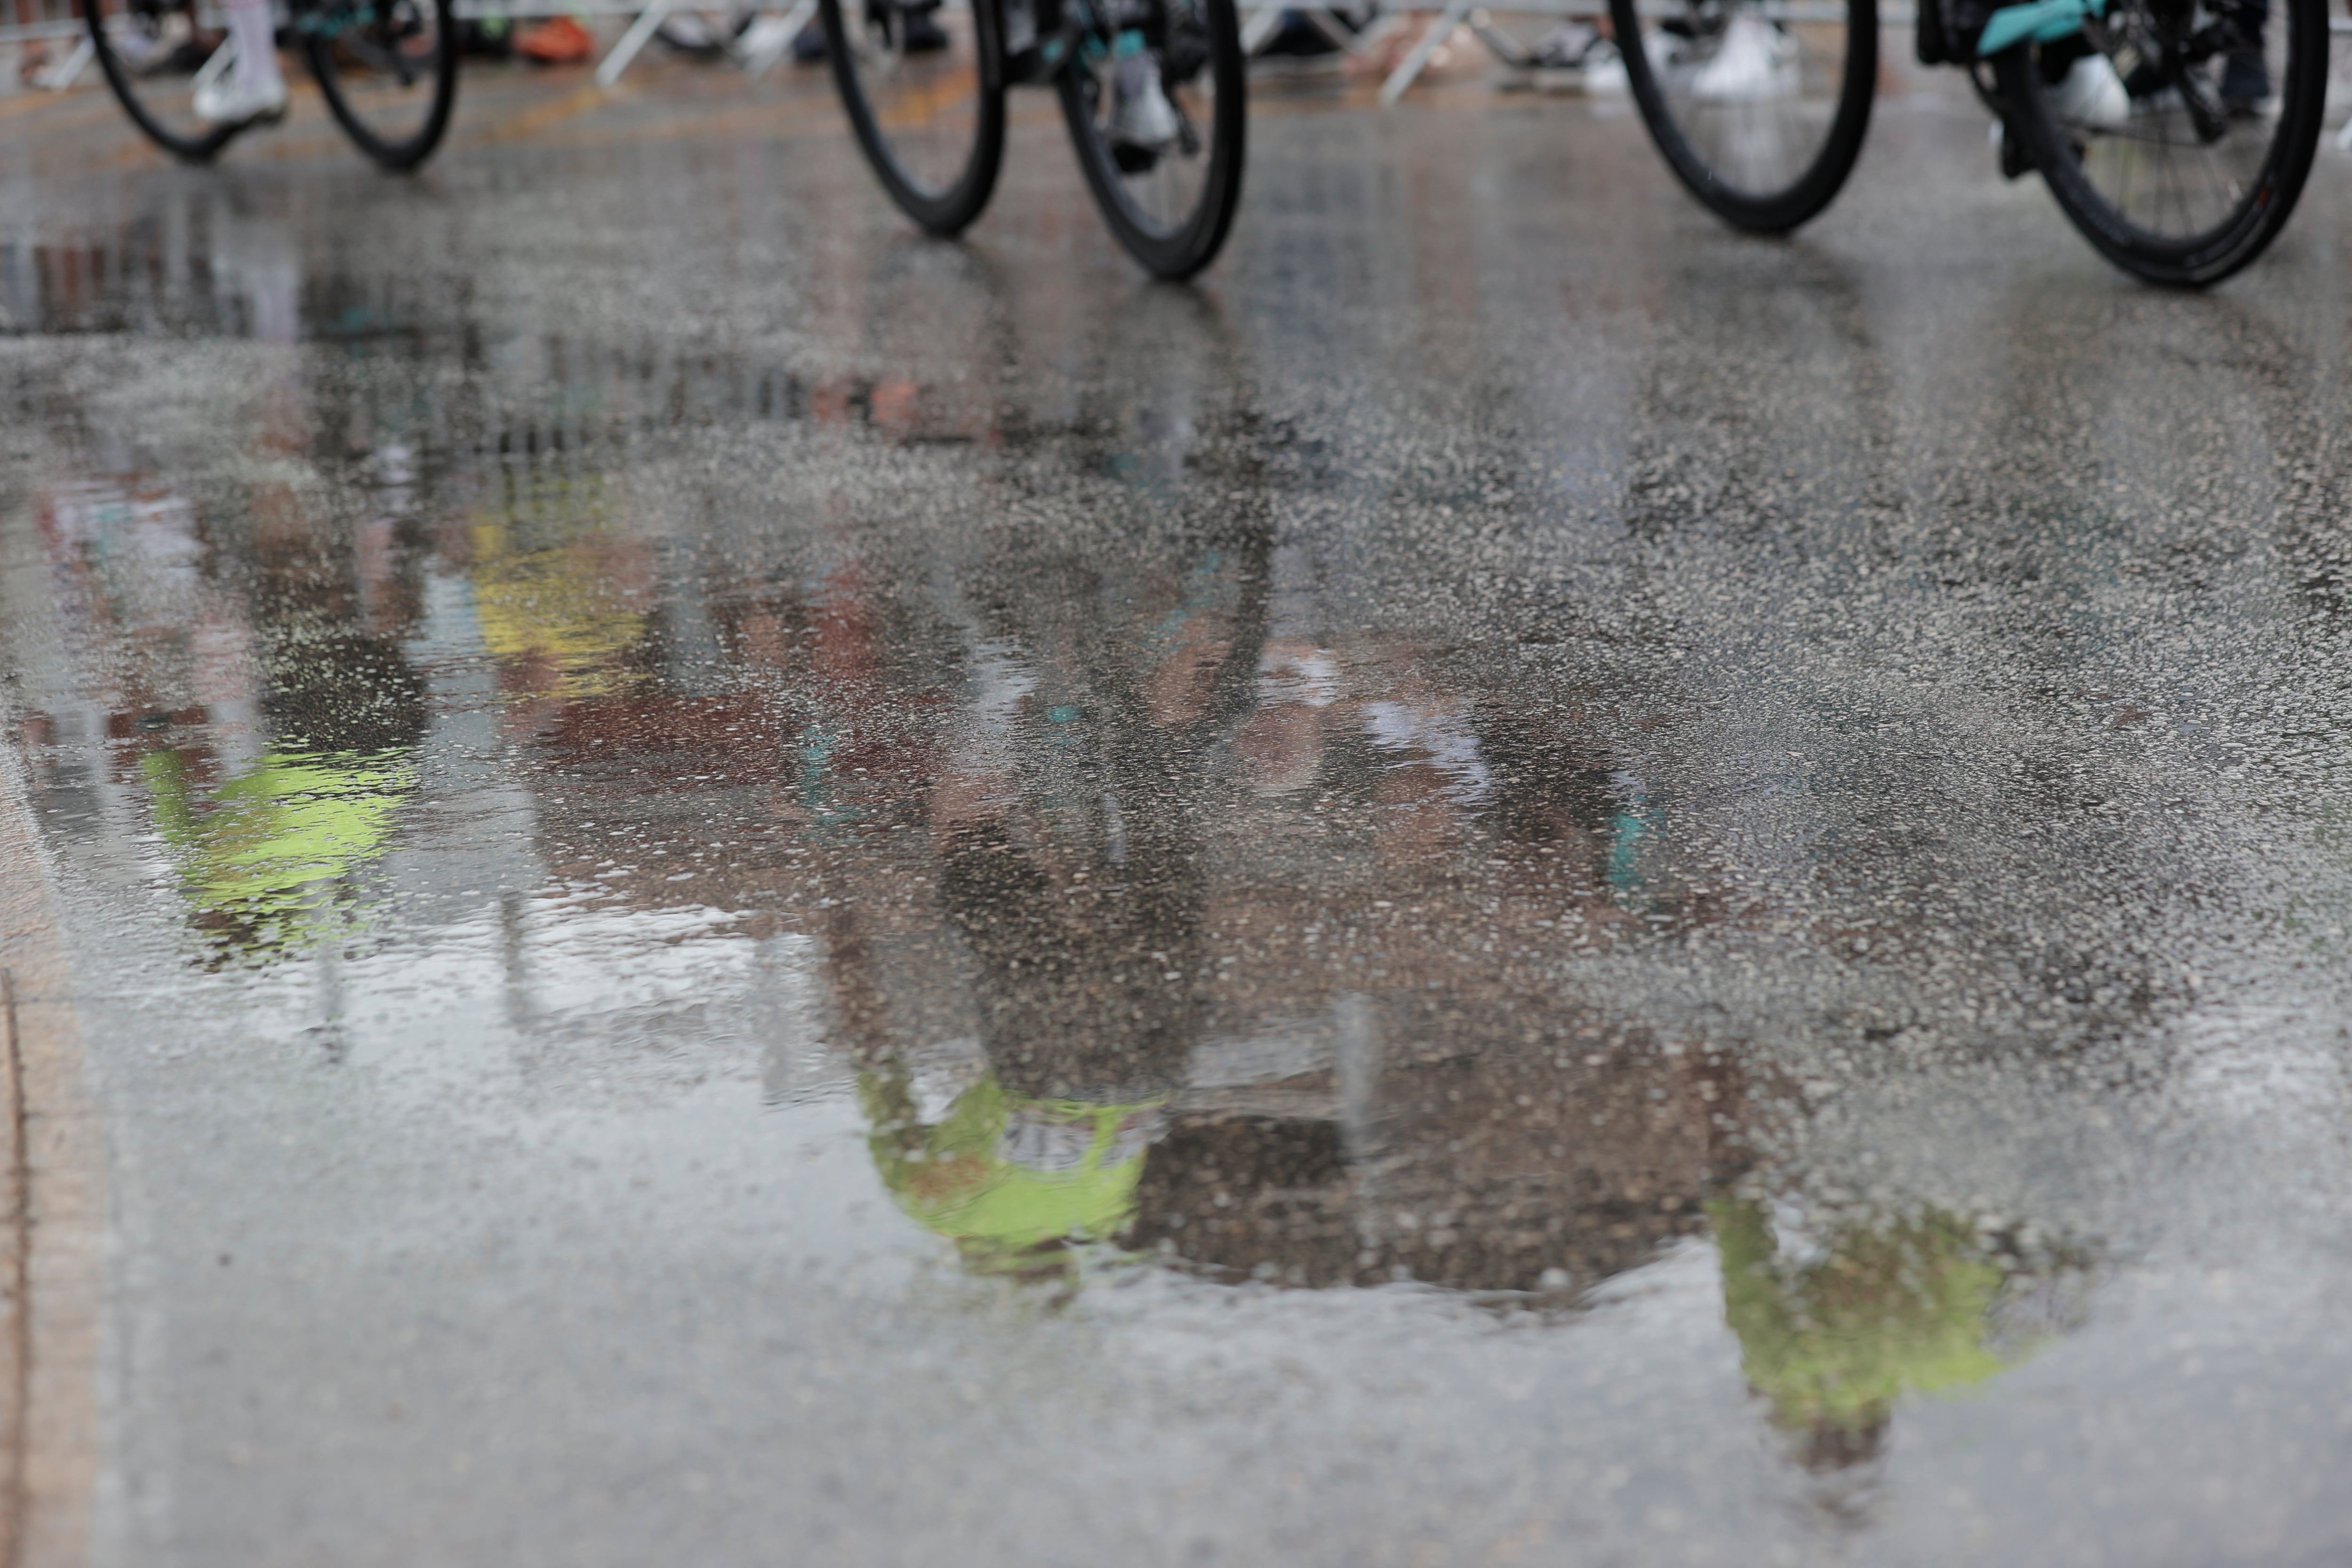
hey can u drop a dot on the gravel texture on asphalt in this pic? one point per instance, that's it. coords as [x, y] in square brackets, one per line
[1524, 882]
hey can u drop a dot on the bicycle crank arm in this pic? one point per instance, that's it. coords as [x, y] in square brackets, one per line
[2205, 112]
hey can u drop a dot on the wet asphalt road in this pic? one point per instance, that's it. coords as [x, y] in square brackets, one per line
[1523, 883]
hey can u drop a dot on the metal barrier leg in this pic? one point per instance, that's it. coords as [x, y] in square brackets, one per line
[1323, 21]
[61, 75]
[216, 65]
[1410, 69]
[1499, 44]
[764, 45]
[631, 42]
[1259, 27]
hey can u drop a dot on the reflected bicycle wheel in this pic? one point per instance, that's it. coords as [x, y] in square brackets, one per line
[388, 69]
[1759, 106]
[156, 54]
[2198, 163]
[1168, 190]
[920, 85]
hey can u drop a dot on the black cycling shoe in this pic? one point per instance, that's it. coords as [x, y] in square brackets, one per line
[2014, 164]
[924, 34]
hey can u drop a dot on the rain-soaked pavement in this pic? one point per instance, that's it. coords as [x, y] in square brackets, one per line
[1523, 883]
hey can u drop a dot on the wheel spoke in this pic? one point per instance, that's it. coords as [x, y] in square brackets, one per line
[1746, 108]
[2202, 173]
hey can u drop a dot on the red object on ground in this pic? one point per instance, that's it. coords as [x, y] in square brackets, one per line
[558, 41]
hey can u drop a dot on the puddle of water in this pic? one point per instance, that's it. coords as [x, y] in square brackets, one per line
[1145, 918]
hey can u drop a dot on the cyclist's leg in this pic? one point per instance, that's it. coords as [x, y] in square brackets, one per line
[2245, 72]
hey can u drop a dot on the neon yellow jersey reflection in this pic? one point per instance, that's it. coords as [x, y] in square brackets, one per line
[257, 857]
[548, 616]
[1836, 1341]
[1009, 1179]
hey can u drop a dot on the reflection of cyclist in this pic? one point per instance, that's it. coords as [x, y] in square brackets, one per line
[1833, 1341]
[1484, 1130]
[253, 91]
[345, 713]
[256, 850]
[1010, 1179]
[1071, 865]
[1069, 832]
[260, 852]
[1080, 897]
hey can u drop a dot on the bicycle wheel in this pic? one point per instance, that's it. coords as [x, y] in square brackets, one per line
[155, 53]
[2202, 169]
[1168, 174]
[1759, 106]
[921, 86]
[388, 69]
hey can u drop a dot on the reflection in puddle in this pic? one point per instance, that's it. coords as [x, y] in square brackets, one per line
[1246, 923]
[1835, 1329]
[272, 732]
[1245, 931]
[1016, 1182]
[556, 596]
[269, 857]
[1148, 889]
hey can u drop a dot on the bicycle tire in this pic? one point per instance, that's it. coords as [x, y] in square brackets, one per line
[1183, 242]
[2243, 228]
[944, 197]
[415, 143]
[1768, 204]
[196, 147]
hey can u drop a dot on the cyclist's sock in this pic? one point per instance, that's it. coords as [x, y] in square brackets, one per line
[256, 44]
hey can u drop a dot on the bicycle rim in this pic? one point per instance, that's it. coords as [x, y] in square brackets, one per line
[388, 69]
[921, 94]
[1171, 203]
[154, 56]
[2196, 179]
[1759, 106]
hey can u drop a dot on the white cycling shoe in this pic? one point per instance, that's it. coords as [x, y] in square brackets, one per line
[1754, 61]
[2091, 95]
[1141, 116]
[229, 101]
